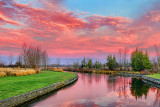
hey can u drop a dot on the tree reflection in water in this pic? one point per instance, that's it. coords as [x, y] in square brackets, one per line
[157, 99]
[139, 88]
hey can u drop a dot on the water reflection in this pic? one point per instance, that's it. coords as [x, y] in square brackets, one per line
[139, 88]
[97, 90]
[157, 99]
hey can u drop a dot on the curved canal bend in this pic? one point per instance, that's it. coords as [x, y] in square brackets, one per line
[98, 90]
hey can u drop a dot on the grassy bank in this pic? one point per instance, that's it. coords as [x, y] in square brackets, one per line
[154, 76]
[12, 86]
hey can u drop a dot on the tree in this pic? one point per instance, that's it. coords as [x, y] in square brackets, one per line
[137, 60]
[157, 49]
[76, 65]
[123, 60]
[11, 60]
[44, 59]
[2, 64]
[90, 64]
[146, 62]
[58, 62]
[111, 62]
[120, 59]
[83, 63]
[97, 65]
[33, 57]
[140, 61]
[19, 61]
[24, 54]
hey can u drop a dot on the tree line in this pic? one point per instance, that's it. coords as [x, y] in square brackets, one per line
[139, 61]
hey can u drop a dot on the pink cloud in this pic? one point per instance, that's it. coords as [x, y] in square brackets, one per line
[63, 34]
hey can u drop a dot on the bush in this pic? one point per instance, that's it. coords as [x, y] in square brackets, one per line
[2, 74]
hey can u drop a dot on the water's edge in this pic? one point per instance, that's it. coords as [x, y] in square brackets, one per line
[25, 97]
[149, 80]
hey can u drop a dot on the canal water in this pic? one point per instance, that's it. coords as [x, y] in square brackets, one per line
[98, 90]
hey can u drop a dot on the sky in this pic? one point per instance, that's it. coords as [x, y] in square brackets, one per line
[77, 28]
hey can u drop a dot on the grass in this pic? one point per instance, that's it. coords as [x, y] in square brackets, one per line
[154, 76]
[12, 85]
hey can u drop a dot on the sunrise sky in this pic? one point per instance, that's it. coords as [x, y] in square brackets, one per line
[77, 28]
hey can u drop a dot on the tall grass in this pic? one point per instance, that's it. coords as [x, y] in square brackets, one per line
[60, 69]
[16, 72]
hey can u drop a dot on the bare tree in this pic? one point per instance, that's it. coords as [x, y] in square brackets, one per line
[120, 59]
[44, 59]
[2, 64]
[24, 54]
[34, 57]
[19, 61]
[58, 62]
[123, 59]
[10, 59]
[157, 49]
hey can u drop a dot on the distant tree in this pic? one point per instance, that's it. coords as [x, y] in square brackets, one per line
[11, 60]
[90, 64]
[157, 49]
[123, 60]
[120, 59]
[19, 62]
[58, 62]
[83, 63]
[97, 65]
[2, 64]
[76, 65]
[111, 62]
[140, 61]
[45, 59]
[24, 55]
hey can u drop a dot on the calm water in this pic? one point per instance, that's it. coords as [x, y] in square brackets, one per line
[98, 90]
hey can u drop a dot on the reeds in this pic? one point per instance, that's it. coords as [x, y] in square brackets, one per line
[55, 69]
[2, 74]
[16, 72]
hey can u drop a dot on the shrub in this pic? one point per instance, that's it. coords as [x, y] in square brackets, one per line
[2, 74]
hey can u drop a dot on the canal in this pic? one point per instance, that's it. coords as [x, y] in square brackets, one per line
[98, 90]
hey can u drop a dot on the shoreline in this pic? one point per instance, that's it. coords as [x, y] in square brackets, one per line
[144, 77]
[149, 80]
[25, 97]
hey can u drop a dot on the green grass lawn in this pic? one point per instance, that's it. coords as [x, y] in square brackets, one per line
[12, 86]
[155, 76]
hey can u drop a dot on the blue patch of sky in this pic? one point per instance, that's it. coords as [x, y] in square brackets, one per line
[124, 8]
[34, 3]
